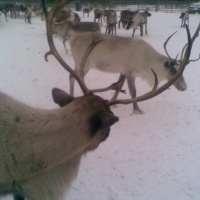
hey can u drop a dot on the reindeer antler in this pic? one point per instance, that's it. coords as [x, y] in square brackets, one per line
[53, 51]
[165, 44]
[154, 92]
[49, 19]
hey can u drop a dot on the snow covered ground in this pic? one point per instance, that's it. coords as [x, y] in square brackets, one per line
[155, 156]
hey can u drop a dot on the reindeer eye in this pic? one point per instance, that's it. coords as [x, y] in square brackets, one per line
[166, 64]
[173, 71]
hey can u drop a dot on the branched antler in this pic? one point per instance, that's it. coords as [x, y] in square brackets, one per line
[80, 78]
[154, 92]
[88, 51]
[165, 44]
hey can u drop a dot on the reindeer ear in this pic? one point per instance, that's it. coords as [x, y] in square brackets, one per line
[167, 64]
[101, 121]
[60, 97]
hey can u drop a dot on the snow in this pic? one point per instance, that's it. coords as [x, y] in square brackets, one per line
[154, 156]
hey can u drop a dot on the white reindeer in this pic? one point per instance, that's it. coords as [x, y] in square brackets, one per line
[184, 16]
[130, 56]
[139, 19]
[111, 21]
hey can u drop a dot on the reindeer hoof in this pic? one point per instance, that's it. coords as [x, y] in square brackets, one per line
[138, 111]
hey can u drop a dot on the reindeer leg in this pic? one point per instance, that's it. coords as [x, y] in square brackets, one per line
[141, 30]
[132, 90]
[18, 197]
[119, 24]
[146, 28]
[117, 91]
[133, 32]
[64, 43]
[106, 29]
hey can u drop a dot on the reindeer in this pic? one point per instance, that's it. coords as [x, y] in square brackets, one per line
[63, 15]
[65, 30]
[126, 58]
[41, 150]
[184, 16]
[35, 8]
[104, 15]
[9, 7]
[28, 13]
[3, 10]
[111, 21]
[125, 17]
[98, 14]
[87, 10]
[138, 20]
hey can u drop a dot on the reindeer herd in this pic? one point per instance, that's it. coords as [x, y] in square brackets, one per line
[41, 150]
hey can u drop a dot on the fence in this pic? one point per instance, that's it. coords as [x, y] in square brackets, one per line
[154, 5]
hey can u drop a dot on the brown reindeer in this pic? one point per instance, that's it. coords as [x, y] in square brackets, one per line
[40, 150]
[3, 10]
[125, 17]
[139, 19]
[98, 14]
[87, 10]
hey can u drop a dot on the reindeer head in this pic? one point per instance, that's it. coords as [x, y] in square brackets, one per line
[99, 118]
[182, 15]
[172, 66]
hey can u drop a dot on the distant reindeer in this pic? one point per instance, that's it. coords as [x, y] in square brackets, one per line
[40, 150]
[184, 16]
[2, 10]
[65, 30]
[9, 7]
[98, 14]
[138, 20]
[63, 15]
[111, 22]
[28, 13]
[125, 17]
[87, 10]
[130, 56]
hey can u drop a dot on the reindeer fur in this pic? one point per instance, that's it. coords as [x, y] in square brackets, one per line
[138, 20]
[131, 56]
[40, 150]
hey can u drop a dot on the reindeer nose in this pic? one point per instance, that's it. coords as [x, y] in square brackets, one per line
[182, 87]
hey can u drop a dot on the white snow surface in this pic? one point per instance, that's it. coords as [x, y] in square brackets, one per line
[154, 156]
